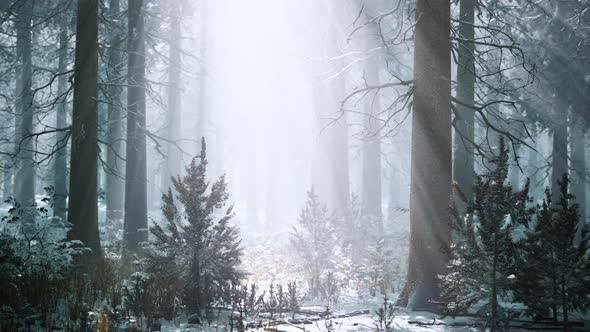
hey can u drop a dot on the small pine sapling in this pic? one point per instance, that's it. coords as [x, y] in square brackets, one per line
[382, 268]
[244, 299]
[241, 326]
[384, 316]
[328, 322]
[482, 255]
[313, 240]
[329, 288]
[293, 298]
[254, 302]
[556, 269]
[272, 301]
[138, 294]
[252, 297]
[280, 300]
[198, 236]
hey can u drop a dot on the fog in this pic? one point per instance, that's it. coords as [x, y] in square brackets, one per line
[253, 78]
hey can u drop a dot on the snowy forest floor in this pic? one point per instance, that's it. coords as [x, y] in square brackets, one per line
[269, 259]
[365, 320]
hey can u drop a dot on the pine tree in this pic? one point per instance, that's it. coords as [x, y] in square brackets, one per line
[461, 282]
[482, 256]
[204, 246]
[314, 240]
[556, 271]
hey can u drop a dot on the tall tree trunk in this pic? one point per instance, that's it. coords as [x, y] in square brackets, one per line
[564, 302]
[321, 180]
[340, 167]
[431, 177]
[554, 289]
[252, 213]
[115, 186]
[532, 168]
[152, 187]
[339, 152]
[136, 166]
[330, 179]
[514, 176]
[61, 162]
[578, 171]
[587, 150]
[560, 153]
[24, 179]
[494, 293]
[7, 182]
[463, 165]
[371, 149]
[399, 174]
[273, 208]
[393, 193]
[83, 202]
[561, 105]
[330, 170]
[203, 117]
[173, 160]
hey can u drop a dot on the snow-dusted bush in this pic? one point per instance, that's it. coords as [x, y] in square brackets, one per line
[384, 269]
[294, 298]
[277, 299]
[372, 255]
[330, 286]
[314, 241]
[35, 259]
[383, 319]
[138, 295]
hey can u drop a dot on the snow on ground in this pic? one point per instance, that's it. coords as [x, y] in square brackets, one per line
[364, 322]
[268, 258]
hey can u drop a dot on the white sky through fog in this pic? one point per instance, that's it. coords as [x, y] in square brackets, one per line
[259, 87]
[260, 97]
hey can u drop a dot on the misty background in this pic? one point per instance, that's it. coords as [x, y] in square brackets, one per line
[261, 62]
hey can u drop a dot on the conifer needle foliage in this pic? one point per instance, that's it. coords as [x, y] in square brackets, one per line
[482, 255]
[197, 235]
